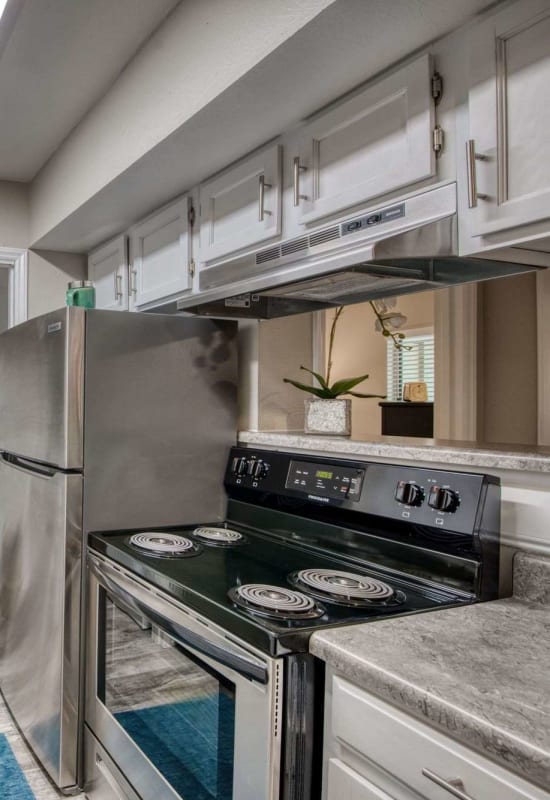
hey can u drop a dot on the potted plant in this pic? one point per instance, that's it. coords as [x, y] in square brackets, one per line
[328, 412]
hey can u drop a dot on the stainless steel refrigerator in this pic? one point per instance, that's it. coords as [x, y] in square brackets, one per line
[108, 420]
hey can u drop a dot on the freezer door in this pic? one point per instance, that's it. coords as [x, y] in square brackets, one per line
[160, 418]
[41, 388]
[40, 583]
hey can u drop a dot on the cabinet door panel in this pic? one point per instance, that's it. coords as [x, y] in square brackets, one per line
[509, 104]
[373, 143]
[366, 724]
[108, 269]
[344, 782]
[231, 217]
[161, 252]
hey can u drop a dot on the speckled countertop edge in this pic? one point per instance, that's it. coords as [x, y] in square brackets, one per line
[386, 660]
[440, 453]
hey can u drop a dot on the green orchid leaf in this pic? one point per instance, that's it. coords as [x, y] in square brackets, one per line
[340, 387]
[312, 389]
[357, 394]
[317, 375]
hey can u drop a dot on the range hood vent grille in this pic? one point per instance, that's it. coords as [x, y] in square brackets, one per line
[268, 255]
[294, 246]
[324, 236]
[298, 245]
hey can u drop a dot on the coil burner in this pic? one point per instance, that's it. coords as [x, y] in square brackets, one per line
[167, 545]
[346, 588]
[219, 537]
[276, 602]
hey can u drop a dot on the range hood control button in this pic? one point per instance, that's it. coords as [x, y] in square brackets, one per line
[409, 493]
[374, 219]
[443, 499]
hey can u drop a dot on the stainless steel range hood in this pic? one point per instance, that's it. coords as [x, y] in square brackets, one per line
[406, 247]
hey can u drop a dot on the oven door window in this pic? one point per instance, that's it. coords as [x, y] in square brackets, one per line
[177, 710]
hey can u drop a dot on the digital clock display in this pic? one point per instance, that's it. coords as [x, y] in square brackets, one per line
[317, 480]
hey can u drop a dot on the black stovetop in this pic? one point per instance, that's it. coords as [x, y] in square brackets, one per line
[202, 582]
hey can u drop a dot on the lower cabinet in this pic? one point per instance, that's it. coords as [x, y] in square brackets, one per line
[374, 751]
[344, 782]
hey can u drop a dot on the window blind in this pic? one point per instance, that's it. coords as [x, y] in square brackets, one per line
[413, 364]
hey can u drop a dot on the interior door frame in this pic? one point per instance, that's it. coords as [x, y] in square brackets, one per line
[16, 261]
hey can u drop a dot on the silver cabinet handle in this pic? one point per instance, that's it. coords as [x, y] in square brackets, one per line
[261, 198]
[471, 158]
[297, 169]
[133, 281]
[118, 286]
[454, 785]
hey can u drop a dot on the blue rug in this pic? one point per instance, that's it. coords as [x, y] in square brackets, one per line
[190, 743]
[13, 784]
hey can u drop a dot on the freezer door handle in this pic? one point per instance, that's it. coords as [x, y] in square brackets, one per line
[41, 470]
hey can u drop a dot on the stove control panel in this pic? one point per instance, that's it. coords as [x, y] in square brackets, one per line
[444, 499]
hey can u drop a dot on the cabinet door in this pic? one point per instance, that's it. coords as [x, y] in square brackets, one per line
[344, 782]
[108, 269]
[241, 207]
[377, 141]
[161, 254]
[509, 104]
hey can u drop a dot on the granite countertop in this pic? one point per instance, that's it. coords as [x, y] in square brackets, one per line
[469, 454]
[479, 673]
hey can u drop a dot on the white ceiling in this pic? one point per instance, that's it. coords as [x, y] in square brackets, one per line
[57, 58]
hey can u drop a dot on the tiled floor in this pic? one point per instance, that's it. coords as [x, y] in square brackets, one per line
[39, 783]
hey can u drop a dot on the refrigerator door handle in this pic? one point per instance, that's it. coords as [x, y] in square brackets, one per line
[40, 470]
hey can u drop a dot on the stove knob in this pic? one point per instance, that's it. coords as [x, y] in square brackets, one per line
[443, 499]
[238, 466]
[261, 469]
[251, 466]
[409, 493]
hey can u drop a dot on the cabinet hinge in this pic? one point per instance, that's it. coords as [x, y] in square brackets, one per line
[191, 216]
[192, 268]
[438, 140]
[437, 87]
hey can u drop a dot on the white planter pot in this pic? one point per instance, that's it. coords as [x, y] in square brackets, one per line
[328, 417]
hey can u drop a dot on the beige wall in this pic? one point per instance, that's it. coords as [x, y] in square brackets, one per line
[507, 391]
[186, 64]
[284, 345]
[359, 350]
[14, 217]
[49, 274]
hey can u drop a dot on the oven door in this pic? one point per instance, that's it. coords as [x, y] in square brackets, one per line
[184, 712]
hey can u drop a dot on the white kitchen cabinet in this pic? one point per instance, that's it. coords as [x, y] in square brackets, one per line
[108, 269]
[241, 207]
[509, 117]
[374, 751]
[161, 255]
[344, 782]
[373, 143]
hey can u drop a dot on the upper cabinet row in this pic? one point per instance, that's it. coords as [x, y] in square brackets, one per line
[375, 145]
[160, 265]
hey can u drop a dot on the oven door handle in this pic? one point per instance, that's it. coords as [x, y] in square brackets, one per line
[247, 667]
